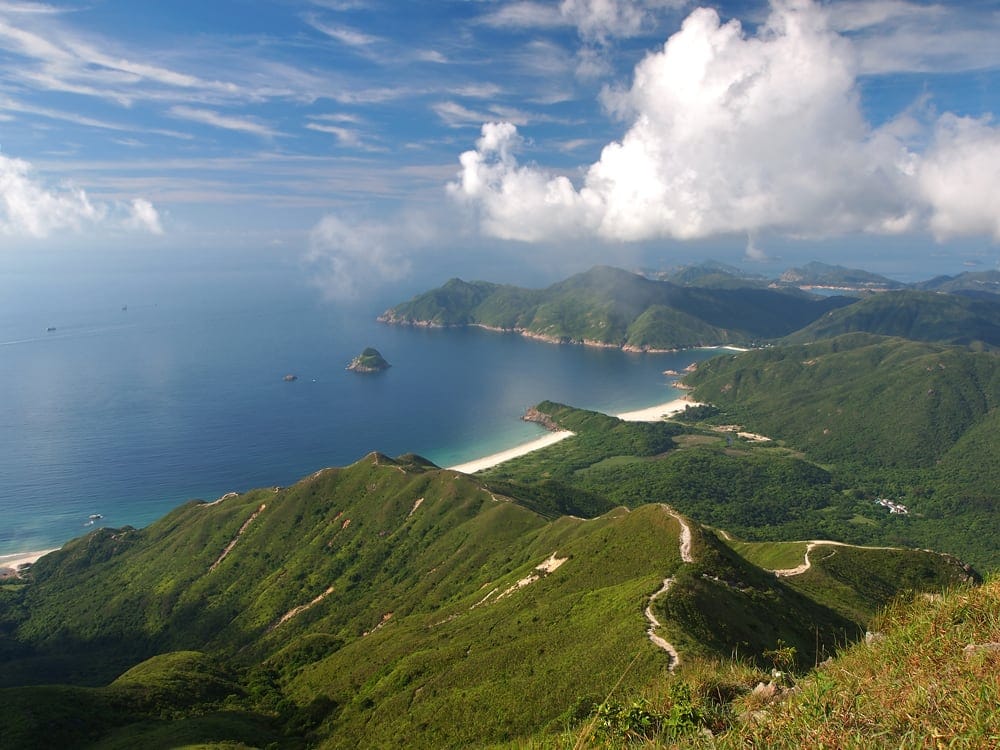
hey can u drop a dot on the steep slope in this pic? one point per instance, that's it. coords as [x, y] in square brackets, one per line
[929, 678]
[911, 422]
[372, 605]
[609, 306]
[858, 398]
[242, 574]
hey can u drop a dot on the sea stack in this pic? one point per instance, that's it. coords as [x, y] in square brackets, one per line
[368, 361]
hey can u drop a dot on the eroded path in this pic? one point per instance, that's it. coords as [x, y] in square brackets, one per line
[654, 624]
[810, 546]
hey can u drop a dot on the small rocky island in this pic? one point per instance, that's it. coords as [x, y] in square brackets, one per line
[369, 361]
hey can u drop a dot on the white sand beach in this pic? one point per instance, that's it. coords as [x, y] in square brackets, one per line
[656, 413]
[16, 560]
[487, 462]
[650, 414]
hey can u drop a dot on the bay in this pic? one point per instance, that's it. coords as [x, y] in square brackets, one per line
[127, 413]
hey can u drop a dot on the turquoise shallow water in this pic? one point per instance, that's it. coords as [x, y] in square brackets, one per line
[128, 413]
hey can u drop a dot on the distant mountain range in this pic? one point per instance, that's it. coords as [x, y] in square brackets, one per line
[816, 275]
[611, 307]
[712, 305]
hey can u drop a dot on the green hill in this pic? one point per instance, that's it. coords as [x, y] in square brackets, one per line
[608, 306]
[969, 282]
[372, 605]
[858, 398]
[918, 316]
[713, 274]
[826, 275]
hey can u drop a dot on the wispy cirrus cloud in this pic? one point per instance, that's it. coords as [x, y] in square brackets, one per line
[457, 115]
[224, 122]
[593, 19]
[344, 34]
[12, 105]
[30, 8]
[525, 15]
[56, 58]
[345, 128]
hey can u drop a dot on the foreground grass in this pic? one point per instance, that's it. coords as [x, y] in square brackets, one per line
[929, 677]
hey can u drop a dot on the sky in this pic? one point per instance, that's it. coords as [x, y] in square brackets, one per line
[372, 143]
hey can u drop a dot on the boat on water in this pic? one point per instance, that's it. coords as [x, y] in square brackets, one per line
[50, 329]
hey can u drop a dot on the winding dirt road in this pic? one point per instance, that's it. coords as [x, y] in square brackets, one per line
[654, 624]
[810, 546]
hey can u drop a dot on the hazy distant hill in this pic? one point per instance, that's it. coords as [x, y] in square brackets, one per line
[919, 316]
[712, 274]
[976, 282]
[825, 275]
[608, 306]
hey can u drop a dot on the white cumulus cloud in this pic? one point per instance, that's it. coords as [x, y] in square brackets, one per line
[737, 133]
[31, 208]
[729, 133]
[959, 177]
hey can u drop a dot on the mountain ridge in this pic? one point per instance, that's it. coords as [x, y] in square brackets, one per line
[607, 306]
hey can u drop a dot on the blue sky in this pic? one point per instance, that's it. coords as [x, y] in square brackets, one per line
[369, 141]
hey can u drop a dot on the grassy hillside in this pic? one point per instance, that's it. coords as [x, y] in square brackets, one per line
[914, 315]
[775, 491]
[858, 398]
[929, 676]
[925, 681]
[614, 307]
[372, 605]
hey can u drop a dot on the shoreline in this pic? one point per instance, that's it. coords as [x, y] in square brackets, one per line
[649, 414]
[659, 411]
[10, 563]
[494, 459]
[16, 560]
[558, 340]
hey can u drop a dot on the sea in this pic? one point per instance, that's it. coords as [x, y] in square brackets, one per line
[124, 399]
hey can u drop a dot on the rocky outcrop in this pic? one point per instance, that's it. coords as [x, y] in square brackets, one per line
[539, 417]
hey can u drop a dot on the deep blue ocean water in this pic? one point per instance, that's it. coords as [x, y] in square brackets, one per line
[128, 413]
